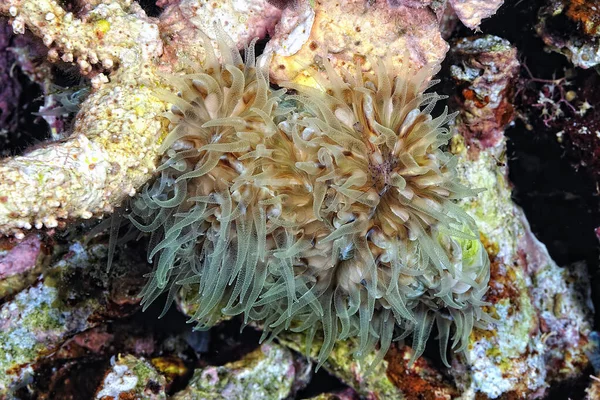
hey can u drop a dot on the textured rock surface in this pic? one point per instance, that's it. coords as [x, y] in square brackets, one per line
[349, 32]
[485, 70]
[112, 149]
[21, 261]
[130, 377]
[545, 318]
[572, 27]
[182, 22]
[348, 394]
[93, 171]
[109, 35]
[72, 297]
[471, 12]
[543, 310]
[111, 152]
[269, 372]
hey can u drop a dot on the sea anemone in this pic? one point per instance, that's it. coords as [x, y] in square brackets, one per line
[329, 212]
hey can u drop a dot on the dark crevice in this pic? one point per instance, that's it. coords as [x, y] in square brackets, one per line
[29, 130]
[321, 382]
[150, 7]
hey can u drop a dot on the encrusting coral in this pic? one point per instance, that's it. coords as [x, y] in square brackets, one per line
[330, 210]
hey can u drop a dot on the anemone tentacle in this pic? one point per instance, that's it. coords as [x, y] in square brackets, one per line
[336, 215]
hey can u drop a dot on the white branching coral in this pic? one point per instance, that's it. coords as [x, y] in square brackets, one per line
[112, 149]
[111, 152]
[327, 212]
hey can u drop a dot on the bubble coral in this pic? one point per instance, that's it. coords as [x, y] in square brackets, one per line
[327, 212]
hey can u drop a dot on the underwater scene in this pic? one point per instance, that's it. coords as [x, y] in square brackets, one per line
[299, 199]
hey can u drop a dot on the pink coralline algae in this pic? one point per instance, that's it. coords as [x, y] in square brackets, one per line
[23, 256]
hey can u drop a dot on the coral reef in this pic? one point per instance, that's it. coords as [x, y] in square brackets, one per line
[65, 320]
[69, 299]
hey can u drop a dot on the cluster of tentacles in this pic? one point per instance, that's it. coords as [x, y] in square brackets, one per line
[329, 212]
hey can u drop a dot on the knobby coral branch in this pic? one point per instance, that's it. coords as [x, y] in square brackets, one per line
[107, 35]
[111, 152]
[113, 146]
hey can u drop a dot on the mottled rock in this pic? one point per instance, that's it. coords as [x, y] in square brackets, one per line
[268, 372]
[130, 377]
[572, 27]
[369, 382]
[119, 120]
[419, 380]
[471, 12]
[103, 36]
[393, 378]
[349, 32]
[184, 20]
[347, 394]
[484, 70]
[74, 295]
[21, 261]
[32, 324]
[543, 310]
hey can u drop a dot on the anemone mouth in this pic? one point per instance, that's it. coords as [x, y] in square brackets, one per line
[329, 211]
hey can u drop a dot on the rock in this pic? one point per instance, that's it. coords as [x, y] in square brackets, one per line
[21, 261]
[269, 372]
[349, 32]
[74, 295]
[131, 378]
[471, 12]
[572, 27]
[485, 70]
